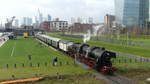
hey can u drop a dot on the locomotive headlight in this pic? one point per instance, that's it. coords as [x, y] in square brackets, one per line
[107, 54]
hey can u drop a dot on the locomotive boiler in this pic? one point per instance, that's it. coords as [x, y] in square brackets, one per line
[95, 57]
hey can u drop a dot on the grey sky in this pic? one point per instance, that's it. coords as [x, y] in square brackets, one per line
[65, 9]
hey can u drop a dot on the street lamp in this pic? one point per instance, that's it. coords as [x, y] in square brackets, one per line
[146, 26]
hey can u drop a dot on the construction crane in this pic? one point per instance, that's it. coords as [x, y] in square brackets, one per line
[40, 16]
[8, 25]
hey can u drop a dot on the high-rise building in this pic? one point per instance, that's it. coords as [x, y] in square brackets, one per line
[49, 17]
[40, 18]
[1, 25]
[35, 19]
[24, 21]
[73, 20]
[27, 21]
[109, 20]
[131, 13]
[79, 20]
[16, 23]
[90, 20]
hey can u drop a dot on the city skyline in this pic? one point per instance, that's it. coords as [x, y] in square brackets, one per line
[71, 8]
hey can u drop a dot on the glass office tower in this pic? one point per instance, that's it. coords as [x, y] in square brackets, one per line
[131, 13]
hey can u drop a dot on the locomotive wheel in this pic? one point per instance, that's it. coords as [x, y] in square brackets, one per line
[104, 71]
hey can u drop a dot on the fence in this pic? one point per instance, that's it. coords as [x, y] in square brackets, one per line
[130, 61]
[121, 42]
[46, 64]
[114, 41]
[31, 65]
[38, 64]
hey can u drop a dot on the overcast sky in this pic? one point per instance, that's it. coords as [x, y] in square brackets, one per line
[65, 9]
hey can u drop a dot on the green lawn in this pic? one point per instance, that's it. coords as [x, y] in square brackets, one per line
[136, 37]
[132, 40]
[115, 47]
[17, 51]
[137, 71]
[42, 54]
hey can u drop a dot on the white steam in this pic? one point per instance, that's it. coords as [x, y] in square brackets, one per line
[87, 37]
[97, 29]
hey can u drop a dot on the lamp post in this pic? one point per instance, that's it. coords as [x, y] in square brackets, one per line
[127, 37]
[146, 26]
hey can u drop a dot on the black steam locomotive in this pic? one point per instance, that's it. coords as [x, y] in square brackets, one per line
[94, 57]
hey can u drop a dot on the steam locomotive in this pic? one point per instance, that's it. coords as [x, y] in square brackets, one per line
[94, 57]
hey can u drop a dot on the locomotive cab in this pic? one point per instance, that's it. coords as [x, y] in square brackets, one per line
[104, 63]
[103, 59]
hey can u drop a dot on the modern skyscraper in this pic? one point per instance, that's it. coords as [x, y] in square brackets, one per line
[40, 17]
[16, 23]
[131, 13]
[24, 20]
[49, 18]
[73, 20]
[35, 19]
[90, 20]
[79, 20]
[27, 21]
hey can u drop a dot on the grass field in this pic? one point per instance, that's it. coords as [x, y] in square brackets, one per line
[17, 51]
[138, 71]
[133, 69]
[15, 54]
[115, 47]
[144, 38]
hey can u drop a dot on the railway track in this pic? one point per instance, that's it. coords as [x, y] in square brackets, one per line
[114, 79]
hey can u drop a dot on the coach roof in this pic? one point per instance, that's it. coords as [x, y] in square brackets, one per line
[51, 38]
[65, 41]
